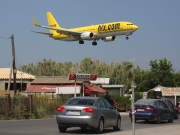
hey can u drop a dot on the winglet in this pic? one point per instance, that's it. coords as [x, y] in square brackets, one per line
[34, 22]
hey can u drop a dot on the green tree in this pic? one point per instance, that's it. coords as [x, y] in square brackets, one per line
[161, 73]
[127, 74]
[86, 65]
[142, 79]
[176, 79]
[137, 96]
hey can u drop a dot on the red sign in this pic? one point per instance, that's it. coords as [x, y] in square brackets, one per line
[82, 77]
[72, 76]
[93, 77]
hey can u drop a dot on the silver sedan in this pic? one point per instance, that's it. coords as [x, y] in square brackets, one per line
[92, 112]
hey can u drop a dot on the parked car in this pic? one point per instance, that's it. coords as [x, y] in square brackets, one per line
[173, 107]
[152, 109]
[93, 112]
[117, 106]
[178, 106]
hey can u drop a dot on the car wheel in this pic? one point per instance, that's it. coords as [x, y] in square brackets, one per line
[135, 120]
[100, 126]
[83, 128]
[118, 125]
[171, 119]
[177, 115]
[158, 121]
[146, 121]
[62, 129]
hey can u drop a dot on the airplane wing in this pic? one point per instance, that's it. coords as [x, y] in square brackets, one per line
[59, 30]
[42, 33]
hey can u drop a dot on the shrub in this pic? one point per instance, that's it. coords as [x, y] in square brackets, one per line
[43, 106]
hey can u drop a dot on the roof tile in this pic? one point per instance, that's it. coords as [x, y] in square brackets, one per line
[5, 72]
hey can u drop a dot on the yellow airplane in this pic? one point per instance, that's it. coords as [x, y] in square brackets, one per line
[106, 31]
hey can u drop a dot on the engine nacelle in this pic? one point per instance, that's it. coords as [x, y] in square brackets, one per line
[110, 38]
[87, 35]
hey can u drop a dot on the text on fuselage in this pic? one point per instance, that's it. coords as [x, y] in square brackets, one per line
[109, 27]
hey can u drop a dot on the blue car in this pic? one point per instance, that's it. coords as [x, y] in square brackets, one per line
[152, 110]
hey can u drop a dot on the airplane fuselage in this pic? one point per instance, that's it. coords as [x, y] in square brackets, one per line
[101, 30]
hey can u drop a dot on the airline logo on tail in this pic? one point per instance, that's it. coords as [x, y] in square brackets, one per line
[106, 32]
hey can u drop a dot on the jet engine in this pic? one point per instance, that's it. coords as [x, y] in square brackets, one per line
[87, 35]
[110, 38]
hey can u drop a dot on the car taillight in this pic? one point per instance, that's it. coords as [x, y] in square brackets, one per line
[61, 108]
[149, 109]
[88, 110]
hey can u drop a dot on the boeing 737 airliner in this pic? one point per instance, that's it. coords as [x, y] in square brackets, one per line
[106, 31]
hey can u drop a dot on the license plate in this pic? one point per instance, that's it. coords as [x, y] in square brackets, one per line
[140, 110]
[73, 113]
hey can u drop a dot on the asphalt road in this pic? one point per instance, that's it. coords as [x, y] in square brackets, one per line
[49, 127]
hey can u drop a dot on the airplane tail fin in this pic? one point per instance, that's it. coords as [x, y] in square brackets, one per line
[52, 22]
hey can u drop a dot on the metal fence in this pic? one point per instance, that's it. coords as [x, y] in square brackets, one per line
[22, 106]
[2, 105]
[9, 104]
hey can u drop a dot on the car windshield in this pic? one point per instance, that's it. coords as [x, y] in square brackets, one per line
[145, 102]
[78, 101]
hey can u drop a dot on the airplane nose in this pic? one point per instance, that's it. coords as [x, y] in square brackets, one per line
[135, 27]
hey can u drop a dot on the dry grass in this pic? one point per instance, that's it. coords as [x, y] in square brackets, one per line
[4, 92]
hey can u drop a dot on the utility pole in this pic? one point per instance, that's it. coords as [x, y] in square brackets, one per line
[13, 63]
[13, 68]
[133, 110]
[9, 83]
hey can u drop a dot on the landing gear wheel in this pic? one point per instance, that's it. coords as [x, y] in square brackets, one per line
[94, 43]
[81, 42]
[118, 125]
[127, 38]
[100, 127]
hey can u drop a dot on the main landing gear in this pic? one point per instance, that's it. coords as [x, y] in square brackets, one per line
[81, 42]
[127, 37]
[93, 43]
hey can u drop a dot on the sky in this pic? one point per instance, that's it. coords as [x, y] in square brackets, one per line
[157, 37]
